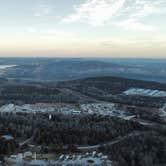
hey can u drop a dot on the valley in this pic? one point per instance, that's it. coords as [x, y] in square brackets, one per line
[91, 115]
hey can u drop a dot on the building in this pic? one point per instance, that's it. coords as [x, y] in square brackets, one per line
[88, 159]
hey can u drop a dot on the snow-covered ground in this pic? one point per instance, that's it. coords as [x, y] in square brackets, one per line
[6, 66]
[145, 92]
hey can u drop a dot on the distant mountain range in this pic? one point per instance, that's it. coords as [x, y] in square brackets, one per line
[60, 69]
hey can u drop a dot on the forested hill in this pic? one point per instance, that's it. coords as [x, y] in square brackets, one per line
[79, 91]
[111, 89]
[113, 85]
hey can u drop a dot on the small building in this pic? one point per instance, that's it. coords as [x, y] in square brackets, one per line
[28, 155]
[8, 144]
[7, 137]
[38, 163]
[76, 111]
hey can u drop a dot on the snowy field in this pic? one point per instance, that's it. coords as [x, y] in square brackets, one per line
[145, 92]
[6, 66]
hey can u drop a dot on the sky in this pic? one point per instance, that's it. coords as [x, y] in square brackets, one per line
[83, 28]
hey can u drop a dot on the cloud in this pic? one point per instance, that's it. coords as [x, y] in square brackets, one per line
[134, 42]
[126, 14]
[42, 10]
[132, 24]
[49, 32]
[115, 42]
[137, 11]
[95, 12]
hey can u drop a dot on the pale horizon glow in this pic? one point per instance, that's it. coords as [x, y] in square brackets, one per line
[83, 28]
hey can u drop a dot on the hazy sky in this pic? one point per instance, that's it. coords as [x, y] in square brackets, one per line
[114, 28]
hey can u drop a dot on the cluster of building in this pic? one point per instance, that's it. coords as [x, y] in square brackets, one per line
[100, 108]
[108, 109]
[28, 108]
[145, 92]
[31, 159]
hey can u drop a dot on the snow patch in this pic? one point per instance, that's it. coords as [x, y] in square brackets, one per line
[145, 92]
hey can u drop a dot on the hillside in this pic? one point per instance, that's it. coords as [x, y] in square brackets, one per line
[81, 91]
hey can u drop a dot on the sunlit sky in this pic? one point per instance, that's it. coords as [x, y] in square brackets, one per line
[83, 28]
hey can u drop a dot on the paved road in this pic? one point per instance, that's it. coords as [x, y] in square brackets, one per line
[26, 141]
[119, 139]
[147, 123]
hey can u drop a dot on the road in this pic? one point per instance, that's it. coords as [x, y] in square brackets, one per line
[150, 124]
[26, 141]
[119, 139]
